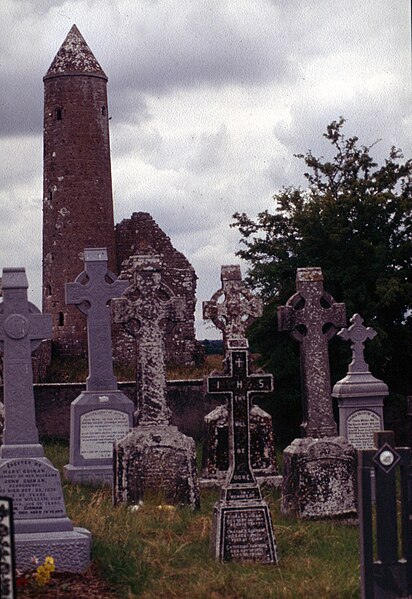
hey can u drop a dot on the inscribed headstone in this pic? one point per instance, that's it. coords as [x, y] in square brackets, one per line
[102, 413]
[30, 479]
[7, 554]
[154, 457]
[360, 395]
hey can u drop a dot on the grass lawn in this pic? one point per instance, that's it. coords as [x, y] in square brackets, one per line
[154, 553]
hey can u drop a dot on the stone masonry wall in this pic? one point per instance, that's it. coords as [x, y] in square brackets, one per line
[141, 235]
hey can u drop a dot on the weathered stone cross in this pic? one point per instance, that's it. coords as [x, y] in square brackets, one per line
[358, 334]
[238, 384]
[141, 310]
[233, 308]
[22, 328]
[313, 317]
[90, 292]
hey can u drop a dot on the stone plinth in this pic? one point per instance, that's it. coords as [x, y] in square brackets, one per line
[319, 478]
[215, 460]
[156, 461]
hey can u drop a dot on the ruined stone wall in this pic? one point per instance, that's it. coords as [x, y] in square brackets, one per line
[141, 235]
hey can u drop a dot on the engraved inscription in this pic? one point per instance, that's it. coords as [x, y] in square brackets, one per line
[99, 429]
[246, 534]
[360, 428]
[34, 487]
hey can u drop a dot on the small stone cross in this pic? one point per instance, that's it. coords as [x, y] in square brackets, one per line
[145, 304]
[22, 328]
[233, 308]
[91, 292]
[313, 317]
[239, 384]
[358, 334]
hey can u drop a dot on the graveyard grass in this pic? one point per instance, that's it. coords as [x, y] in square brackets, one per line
[163, 553]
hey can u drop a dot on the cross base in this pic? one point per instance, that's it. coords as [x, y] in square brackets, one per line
[242, 531]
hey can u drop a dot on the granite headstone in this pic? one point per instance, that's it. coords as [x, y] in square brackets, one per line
[155, 457]
[102, 413]
[30, 479]
[319, 471]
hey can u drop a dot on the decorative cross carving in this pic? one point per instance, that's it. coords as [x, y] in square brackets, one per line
[141, 310]
[22, 328]
[313, 317]
[238, 384]
[91, 292]
[233, 308]
[358, 334]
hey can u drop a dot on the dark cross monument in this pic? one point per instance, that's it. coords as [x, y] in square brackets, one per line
[388, 573]
[242, 526]
[102, 413]
[232, 309]
[154, 457]
[319, 471]
[360, 395]
[41, 524]
[313, 317]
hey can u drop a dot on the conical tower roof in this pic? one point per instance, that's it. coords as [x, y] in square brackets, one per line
[75, 58]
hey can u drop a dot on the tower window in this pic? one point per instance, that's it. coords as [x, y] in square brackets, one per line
[61, 319]
[48, 290]
[59, 114]
[103, 110]
[50, 195]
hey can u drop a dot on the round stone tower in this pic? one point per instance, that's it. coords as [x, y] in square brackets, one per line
[77, 187]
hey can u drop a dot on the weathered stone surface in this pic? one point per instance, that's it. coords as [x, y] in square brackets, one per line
[140, 234]
[313, 317]
[1, 422]
[232, 309]
[241, 527]
[7, 554]
[360, 395]
[77, 189]
[41, 524]
[102, 413]
[319, 478]
[154, 453]
[159, 461]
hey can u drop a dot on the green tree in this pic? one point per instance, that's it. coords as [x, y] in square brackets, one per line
[354, 220]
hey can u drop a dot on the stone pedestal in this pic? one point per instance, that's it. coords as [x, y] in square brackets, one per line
[319, 478]
[40, 522]
[156, 460]
[242, 531]
[97, 419]
[215, 461]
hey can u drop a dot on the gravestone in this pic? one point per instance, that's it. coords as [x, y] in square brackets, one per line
[385, 536]
[319, 471]
[360, 395]
[40, 520]
[7, 554]
[242, 525]
[102, 413]
[154, 457]
[1, 421]
[232, 309]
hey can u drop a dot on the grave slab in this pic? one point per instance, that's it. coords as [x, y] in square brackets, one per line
[41, 524]
[102, 413]
[154, 457]
[360, 395]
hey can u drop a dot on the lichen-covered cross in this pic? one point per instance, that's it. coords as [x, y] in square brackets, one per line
[90, 292]
[313, 317]
[141, 310]
[233, 308]
[358, 334]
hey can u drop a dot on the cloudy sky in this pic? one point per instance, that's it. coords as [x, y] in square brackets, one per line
[209, 101]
